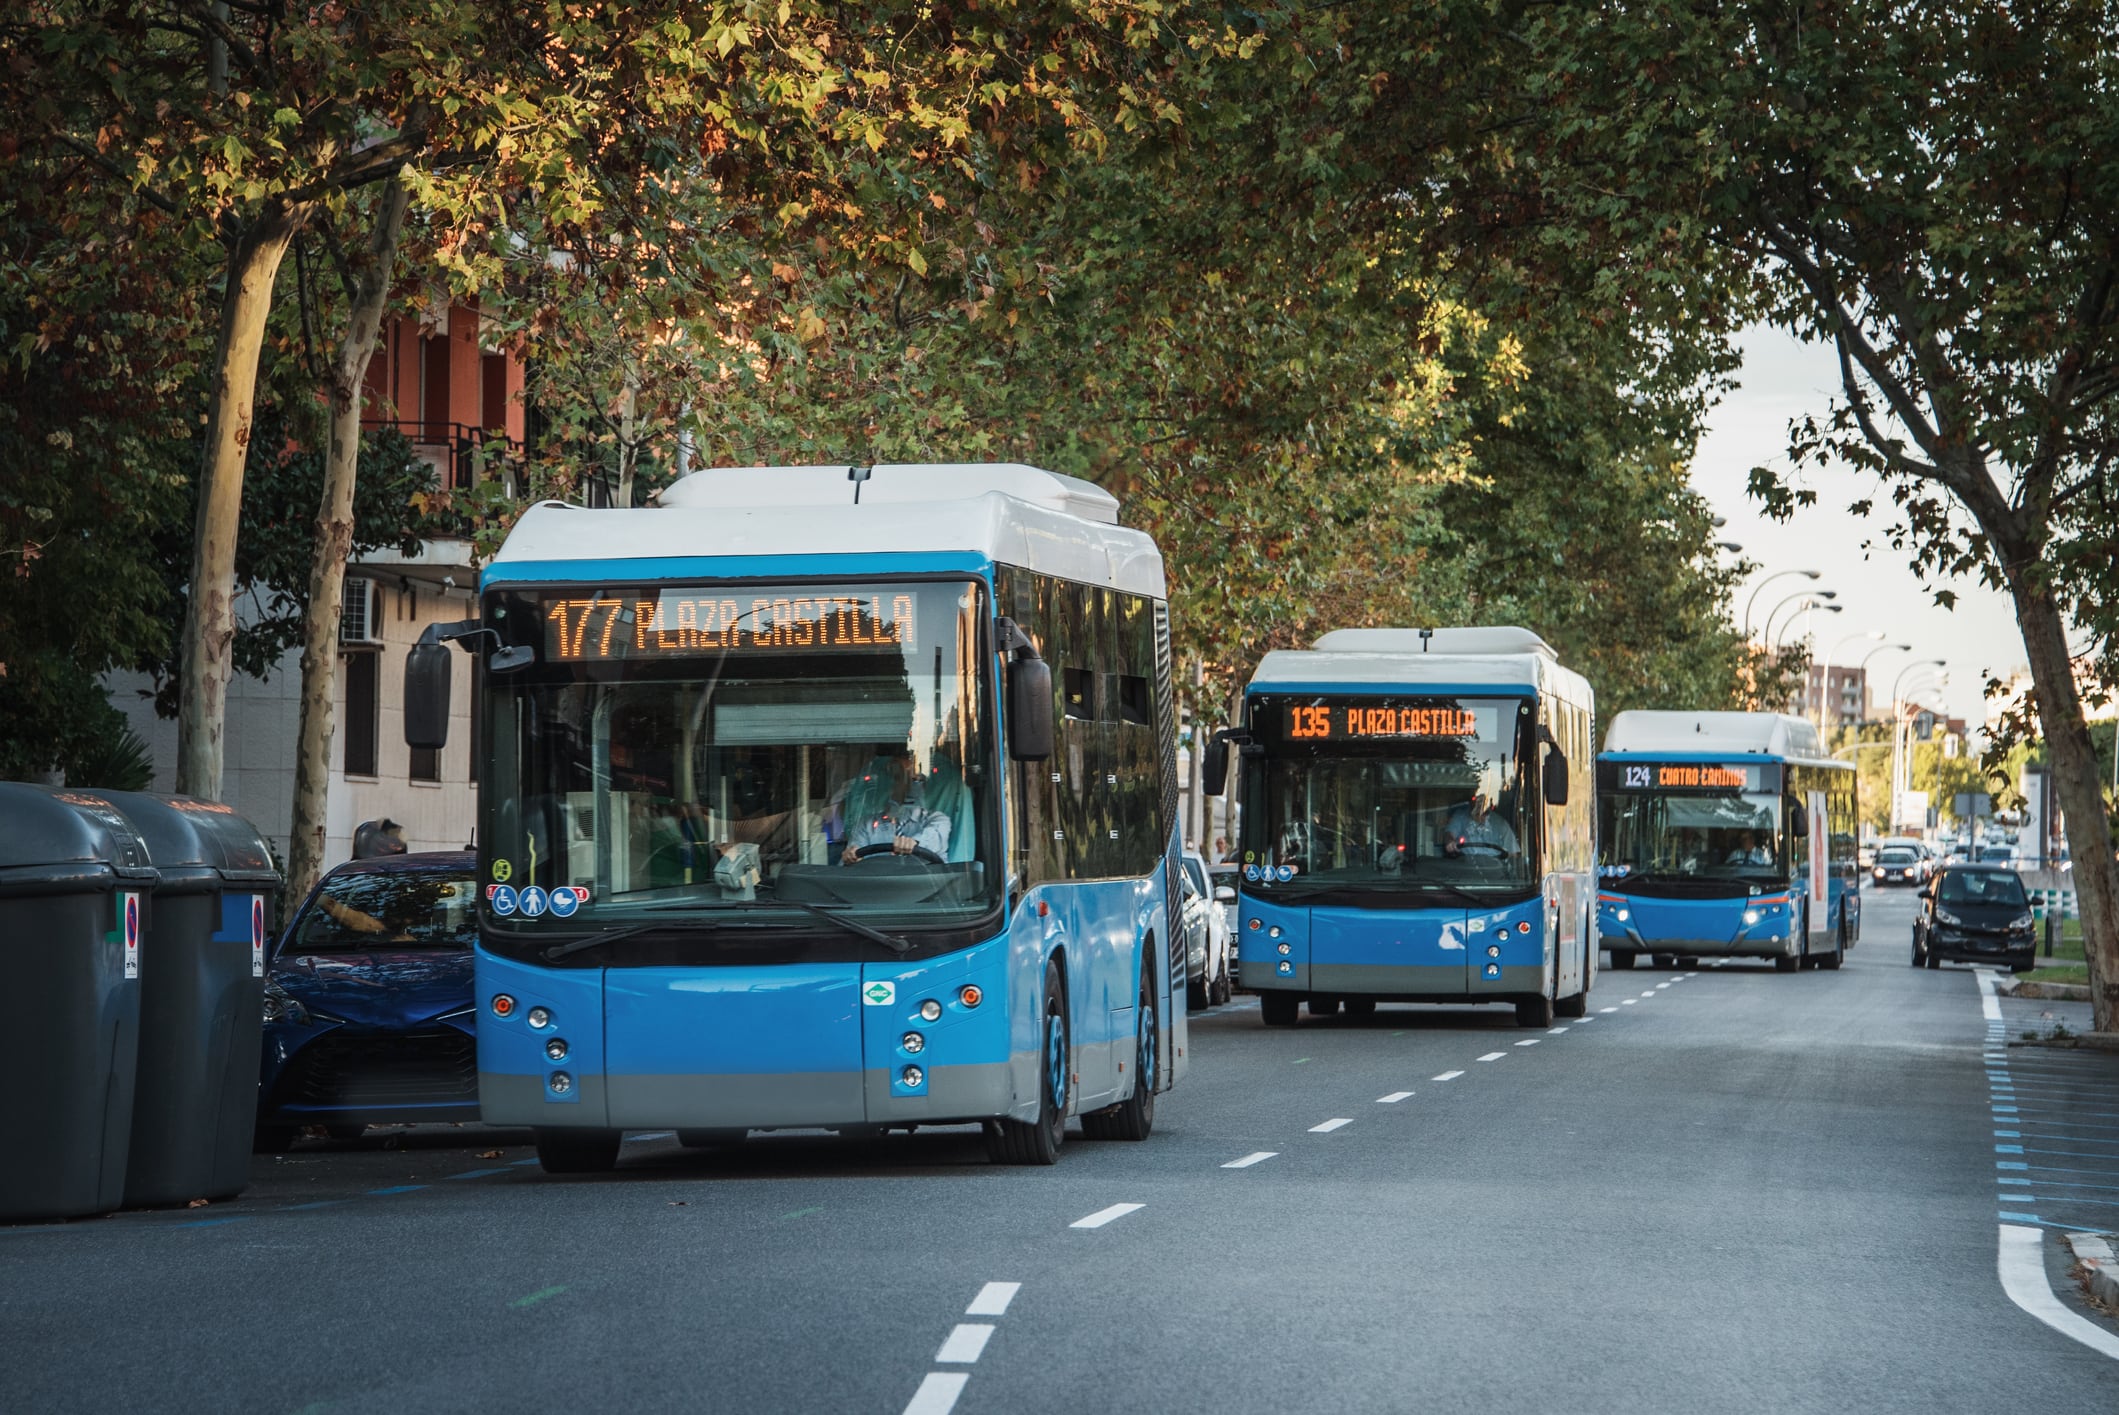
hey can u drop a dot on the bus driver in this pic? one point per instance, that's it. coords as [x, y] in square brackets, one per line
[887, 806]
[1474, 827]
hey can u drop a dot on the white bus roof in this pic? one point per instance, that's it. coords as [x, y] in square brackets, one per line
[1775, 734]
[1006, 512]
[1503, 658]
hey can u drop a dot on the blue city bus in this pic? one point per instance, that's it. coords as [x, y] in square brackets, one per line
[823, 798]
[1418, 825]
[1725, 834]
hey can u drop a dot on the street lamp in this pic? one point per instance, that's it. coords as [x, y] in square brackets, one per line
[1729, 545]
[1864, 670]
[1801, 610]
[1920, 663]
[1812, 600]
[1777, 575]
[1824, 684]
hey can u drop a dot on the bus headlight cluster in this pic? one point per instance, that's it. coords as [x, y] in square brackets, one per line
[1751, 916]
[930, 1011]
[556, 1049]
[561, 1083]
[912, 1076]
[913, 1042]
[1623, 915]
[539, 1017]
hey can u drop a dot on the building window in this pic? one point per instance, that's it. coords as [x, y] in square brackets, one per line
[360, 733]
[426, 764]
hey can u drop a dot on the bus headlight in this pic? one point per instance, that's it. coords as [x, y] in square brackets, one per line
[1622, 915]
[912, 1076]
[930, 1011]
[556, 1049]
[913, 1042]
[1750, 916]
[561, 1083]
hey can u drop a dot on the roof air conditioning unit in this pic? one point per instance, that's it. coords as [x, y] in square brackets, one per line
[360, 619]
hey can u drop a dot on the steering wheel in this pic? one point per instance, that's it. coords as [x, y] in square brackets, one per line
[918, 852]
[1465, 847]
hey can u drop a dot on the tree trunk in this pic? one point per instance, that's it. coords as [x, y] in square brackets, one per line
[209, 621]
[2078, 779]
[628, 438]
[334, 540]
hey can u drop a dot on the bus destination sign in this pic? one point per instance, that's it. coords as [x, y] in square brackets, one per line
[655, 623]
[1348, 723]
[1694, 776]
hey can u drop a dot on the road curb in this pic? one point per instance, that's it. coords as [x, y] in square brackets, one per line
[2044, 992]
[2100, 1268]
[2082, 1041]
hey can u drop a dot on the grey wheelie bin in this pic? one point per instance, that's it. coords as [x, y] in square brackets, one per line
[202, 998]
[75, 882]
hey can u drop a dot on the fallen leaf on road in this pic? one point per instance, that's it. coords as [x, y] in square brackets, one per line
[198, 1203]
[489, 1154]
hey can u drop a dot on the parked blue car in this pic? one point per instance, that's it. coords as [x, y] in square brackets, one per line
[368, 1013]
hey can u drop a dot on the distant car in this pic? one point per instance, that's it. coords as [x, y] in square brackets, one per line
[1208, 938]
[1975, 914]
[1899, 864]
[1996, 855]
[368, 1012]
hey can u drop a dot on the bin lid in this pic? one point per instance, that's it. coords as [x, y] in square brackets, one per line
[196, 843]
[54, 840]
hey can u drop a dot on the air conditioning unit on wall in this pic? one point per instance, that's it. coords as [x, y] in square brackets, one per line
[360, 619]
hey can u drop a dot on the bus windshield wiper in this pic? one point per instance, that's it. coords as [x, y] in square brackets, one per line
[587, 941]
[889, 941]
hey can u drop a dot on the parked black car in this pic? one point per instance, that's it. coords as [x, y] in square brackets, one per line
[1974, 914]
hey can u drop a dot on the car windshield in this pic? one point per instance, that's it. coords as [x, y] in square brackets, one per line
[388, 909]
[1997, 887]
[1435, 802]
[1895, 857]
[769, 751]
[1196, 873]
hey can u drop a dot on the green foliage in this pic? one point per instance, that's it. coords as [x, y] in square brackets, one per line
[113, 758]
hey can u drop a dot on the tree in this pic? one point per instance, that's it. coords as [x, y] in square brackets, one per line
[1916, 185]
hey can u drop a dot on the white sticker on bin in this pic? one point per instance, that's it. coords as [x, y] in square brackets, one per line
[257, 935]
[130, 924]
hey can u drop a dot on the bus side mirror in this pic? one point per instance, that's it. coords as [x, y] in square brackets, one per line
[1798, 818]
[1214, 766]
[427, 696]
[1555, 778]
[1029, 710]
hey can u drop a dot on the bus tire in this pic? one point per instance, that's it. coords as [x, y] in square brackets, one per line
[1686, 960]
[711, 1139]
[1038, 1141]
[1621, 959]
[1830, 961]
[573, 1151]
[1666, 960]
[1786, 964]
[1279, 1008]
[1360, 1006]
[1534, 1012]
[1323, 1006]
[1576, 1006]
[1133, 1117]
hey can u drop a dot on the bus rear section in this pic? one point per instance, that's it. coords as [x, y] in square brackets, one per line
[1416, 826]
[1724, 835]
[755, 836]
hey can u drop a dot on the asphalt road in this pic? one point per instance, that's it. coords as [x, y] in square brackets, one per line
[1730, 1189]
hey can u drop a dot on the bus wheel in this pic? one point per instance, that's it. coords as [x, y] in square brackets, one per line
[578, 1151]
[1830, 961]
[1279, 1008]
[1323, 1006]
[1534, 1012]
[1786, 964]
[1688, 961]
[1576, 1006]
[1360, 1006]
[1134, 1117]
[1666, 960]
[1038, 1141]
[710, 1139]
[1621, 960]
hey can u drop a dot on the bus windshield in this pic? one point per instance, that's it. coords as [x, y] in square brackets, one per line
[765, 752]
[1706, 833]
[1388, 798]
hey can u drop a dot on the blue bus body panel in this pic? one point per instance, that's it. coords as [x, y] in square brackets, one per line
[1712, 927]
[1428, 952]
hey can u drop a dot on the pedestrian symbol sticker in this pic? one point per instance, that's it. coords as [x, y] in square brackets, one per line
[502, 870]
[504, 900]
[879, 994]
[564, 902]
[533, 901]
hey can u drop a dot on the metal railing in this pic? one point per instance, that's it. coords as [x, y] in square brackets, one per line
[456, 451]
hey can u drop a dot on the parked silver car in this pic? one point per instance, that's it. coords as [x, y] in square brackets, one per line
[1207, 938]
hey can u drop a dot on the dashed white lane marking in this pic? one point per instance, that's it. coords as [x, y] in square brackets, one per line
[1393, 1098]
[993, 1299]
[1493, 1056]
[1625, 1002]
[1649, 993]
[1660, 986]
[1605, 1009]
[1250, 1159]
[1555, 1031]
[1692, 975]
[1449, 1075]
[1330, 1125]
[937, 1394]
[966, 1343]
[1530, 1043]
[1104, 1216]
[2021, 1264]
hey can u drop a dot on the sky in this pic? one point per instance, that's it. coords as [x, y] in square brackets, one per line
[1783, 379]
